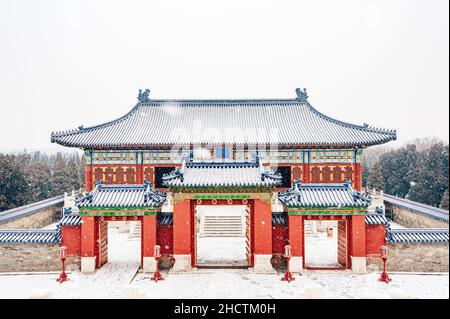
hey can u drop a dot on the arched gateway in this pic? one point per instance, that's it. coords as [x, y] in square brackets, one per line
[287, 165]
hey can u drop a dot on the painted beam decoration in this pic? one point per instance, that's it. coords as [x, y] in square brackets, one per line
[155, 156]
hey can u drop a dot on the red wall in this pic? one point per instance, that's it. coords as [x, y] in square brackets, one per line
[375, 238]
[165, 238]
[262, 228]
[279, 238]
[71, 238]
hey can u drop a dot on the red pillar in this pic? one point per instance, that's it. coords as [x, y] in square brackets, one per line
[358, 236]
[182, 236]
[88, 236]
[295, 223]
[358, 176]
[263, 227]
[148, 239]
[182, 227]
[139, 173]
[148, 235]
[305, 174]
[88, 184]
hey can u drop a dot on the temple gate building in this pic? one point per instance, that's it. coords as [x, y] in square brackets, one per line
[279, 162]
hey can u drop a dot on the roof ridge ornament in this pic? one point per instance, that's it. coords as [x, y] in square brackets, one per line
[143, 96]
[302, 96]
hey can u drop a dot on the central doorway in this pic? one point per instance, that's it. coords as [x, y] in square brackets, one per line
[222, 236]
[119, 243]
[325, 243]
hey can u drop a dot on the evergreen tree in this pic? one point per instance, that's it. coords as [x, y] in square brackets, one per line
[365, 174]
[432, 175]
[40, 180]
[62, 180]
[14, 181]
[375, 179]
[81, 169]
[444, 201]
[398, 170]
[74, 170]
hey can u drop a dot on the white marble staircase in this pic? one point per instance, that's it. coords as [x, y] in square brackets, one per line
[222, 226]
[135, 231]
[310, 229]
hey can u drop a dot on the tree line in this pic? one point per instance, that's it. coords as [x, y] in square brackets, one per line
[30, 177]
[418, 171]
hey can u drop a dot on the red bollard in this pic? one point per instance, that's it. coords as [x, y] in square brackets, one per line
[384, 276]
[287, 254]
[157, 253]
[63, 255]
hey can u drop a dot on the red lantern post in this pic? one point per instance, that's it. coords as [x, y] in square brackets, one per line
[287, 254]
[384, 276]
[157, 254]
[63, 256]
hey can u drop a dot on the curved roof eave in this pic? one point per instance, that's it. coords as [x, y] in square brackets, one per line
[59, 137]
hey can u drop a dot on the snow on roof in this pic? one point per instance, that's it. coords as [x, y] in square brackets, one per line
[323, 195]
[242, 122]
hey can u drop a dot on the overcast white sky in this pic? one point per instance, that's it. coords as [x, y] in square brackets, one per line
[67, 63]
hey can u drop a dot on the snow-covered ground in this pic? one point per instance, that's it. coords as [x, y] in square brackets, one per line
[221, 250]
[115, 280]
[321, 251]
[396, 226]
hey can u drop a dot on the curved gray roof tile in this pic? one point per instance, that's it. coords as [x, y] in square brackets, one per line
[240, 122]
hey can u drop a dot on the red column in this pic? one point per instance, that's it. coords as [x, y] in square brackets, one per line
[358, 236]
[305, 174]
[295, 224]
[358, 176]
[262, 227]
[88, 184]
[182, 228]
[88, 237]
[148, 235]
[295, 173]
[139, 174]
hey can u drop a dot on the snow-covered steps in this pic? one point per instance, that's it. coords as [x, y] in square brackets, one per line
[135, 231]
[310, 229]
[222, 226]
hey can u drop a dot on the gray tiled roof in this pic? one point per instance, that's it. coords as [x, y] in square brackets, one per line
[165, 218]
[323, 195]
[226, 174]
[240, 122]
[122, 196]
[417, 235]
[26, 210]
[418, 208]
[70, 220]
[279, 218]
[376, 219]
[40, 236]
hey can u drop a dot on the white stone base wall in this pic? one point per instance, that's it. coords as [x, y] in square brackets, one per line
[359, 265]
[262, 264]
[296, 264]
[149, 264]
[88, 264]
[182, 263]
